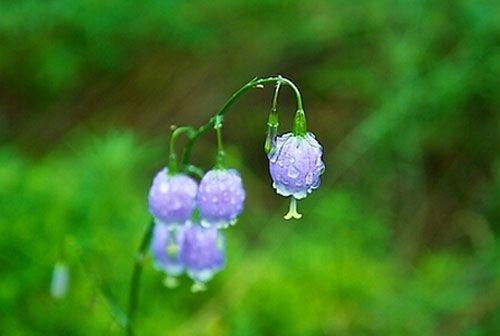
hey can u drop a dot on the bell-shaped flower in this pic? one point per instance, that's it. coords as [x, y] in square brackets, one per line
[172, 198]
[296, 165]
[202, 253]
[220, 198]
[165, 247]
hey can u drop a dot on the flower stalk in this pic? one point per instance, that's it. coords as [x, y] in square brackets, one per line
[272, 121]
[254, 83]
[133, 296]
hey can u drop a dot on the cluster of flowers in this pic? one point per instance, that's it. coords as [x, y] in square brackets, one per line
[196, 246]
[187, 236]
[189, 217]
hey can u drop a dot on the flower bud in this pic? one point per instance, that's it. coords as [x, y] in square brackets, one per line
[60, 280]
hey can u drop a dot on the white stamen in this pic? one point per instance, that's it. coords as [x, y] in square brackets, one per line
[292, 210]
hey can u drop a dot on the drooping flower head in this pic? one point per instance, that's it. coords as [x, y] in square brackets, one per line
[165, 247]
[202, 252]
[220, 198]
[172, 198]
[296, 165]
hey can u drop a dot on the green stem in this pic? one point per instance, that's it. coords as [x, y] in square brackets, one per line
[300, 123]
[272, 121]
[220, 149]
[133, 296]
[172, 157]
[254, 83]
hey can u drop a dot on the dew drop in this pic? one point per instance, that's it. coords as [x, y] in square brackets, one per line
[164, 187]
[293, 172]
[309, 178]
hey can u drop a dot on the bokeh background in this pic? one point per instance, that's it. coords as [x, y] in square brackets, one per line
[402, 237]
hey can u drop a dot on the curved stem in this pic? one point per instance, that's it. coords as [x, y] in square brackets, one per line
[272, 121]
[133, 295]
[172, 158]
[254, 83]
[274, 106]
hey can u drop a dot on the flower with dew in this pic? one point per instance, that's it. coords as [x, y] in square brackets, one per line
[165, 246]
[172, 198]
[296, 165]
[202, 253]
[220, 198]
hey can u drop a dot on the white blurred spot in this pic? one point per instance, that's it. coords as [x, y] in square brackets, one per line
[60, 281]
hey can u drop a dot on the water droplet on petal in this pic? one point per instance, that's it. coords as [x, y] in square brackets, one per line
[309, 178]
[293, 172]
[164, 187]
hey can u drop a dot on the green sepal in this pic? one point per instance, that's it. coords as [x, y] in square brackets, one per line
[300, 123]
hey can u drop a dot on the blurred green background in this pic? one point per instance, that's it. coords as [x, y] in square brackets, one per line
[402, 237]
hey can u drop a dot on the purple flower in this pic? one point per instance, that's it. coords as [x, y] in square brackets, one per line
[295, 164]
[165, 247]
[172, 198]
[202, 252]
[220, 198]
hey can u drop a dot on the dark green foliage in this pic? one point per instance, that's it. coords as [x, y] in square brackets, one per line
[402, 237]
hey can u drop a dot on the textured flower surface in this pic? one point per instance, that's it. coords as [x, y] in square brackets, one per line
[172, 198]
[220, 198]
[165, 247]
[202, 252]
[295, 164]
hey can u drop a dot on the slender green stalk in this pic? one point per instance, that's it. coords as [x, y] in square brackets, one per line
[254, 83]
[272, 121]
[221, 155]
[173, 166]
[133, 296]
[274, 106]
